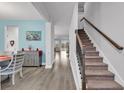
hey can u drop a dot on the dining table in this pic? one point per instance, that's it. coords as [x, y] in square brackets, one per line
[3, 59]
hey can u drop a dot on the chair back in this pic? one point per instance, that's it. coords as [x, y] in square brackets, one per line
[16, 62]
[18, 59]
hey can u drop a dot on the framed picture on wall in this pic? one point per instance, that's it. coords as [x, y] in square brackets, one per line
[33, 35]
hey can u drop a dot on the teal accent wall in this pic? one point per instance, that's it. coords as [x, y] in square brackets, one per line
[25, 25]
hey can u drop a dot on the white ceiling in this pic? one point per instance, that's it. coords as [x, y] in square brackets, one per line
[60, 13]
[18, 11]
[41, 9]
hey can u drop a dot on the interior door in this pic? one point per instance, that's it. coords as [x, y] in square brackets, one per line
[11, 38]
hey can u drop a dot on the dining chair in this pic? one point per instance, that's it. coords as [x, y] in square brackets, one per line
[14, 66]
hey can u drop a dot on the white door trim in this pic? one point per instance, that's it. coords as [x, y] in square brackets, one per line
[5, 38]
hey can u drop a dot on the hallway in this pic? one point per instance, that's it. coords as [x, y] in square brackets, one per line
[38, 78]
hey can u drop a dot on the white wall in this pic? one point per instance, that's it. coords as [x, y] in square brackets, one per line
[61, 30]
[49, 45]
[72, 48]
[80, 23]
[109, 18]
[52, 41]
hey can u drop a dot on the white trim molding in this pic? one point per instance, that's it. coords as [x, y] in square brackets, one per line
[48, 66]
[76, 73]
[43, 63]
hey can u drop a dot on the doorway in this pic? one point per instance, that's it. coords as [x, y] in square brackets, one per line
[60, 46]
[11, 38]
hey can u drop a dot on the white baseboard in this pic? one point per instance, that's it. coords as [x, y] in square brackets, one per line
[76, 74]
[43, 63]
[48, 66]
[105, 59]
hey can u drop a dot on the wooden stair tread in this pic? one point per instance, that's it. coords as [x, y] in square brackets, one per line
[98, 72]
[95, 63]
[92, 52]
[96, 66]
[103, 85]
[89, 47]
[93, 57]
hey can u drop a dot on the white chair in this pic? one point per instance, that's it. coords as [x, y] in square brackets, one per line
[14, 66]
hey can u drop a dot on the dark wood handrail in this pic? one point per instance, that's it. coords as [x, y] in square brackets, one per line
[79, 40]
[104, 35]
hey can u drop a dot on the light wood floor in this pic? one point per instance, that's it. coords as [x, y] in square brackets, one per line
[38, 78]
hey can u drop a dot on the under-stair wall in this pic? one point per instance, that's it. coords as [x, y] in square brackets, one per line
[108, 17]
[72, 48]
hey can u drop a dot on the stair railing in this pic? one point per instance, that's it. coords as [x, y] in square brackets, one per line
[104, 35]
[80, 51]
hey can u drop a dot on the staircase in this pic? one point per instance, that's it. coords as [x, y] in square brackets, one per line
[97, 75]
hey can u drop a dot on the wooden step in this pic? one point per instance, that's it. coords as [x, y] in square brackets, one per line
[103, 85]
[90, 48]
[93, 59]
[83, 34]
[84, 38]
[88, 44]
[87, 40]
[96, 66]
[92, 53]
[81, 31]
[99, 75]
